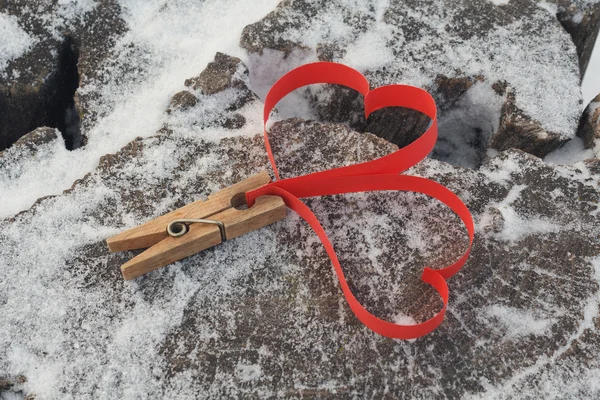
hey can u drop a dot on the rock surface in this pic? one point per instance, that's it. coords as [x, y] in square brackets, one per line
[222, 73]
[35, 139]
[517, 130]
[519, 45]
[589, 126]
[182, 101]
[217, 76]
[263, 316]
[581, 18]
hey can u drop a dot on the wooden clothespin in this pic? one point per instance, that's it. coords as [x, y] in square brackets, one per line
[197, 226]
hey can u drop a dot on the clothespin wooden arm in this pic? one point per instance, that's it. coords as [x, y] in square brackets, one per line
[208, 224]
[267, 210]
[154, 231]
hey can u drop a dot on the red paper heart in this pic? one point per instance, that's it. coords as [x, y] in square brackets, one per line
[380, 174]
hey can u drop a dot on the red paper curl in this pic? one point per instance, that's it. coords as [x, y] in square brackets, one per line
[381, 174]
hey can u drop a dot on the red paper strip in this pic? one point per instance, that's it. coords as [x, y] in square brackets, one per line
[380, 174]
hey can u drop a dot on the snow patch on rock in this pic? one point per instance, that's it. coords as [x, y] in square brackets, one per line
[519, 322]
[15, 41]
[572, 152]
[248, 372]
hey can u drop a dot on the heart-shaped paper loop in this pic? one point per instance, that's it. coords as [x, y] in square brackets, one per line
[380, 174]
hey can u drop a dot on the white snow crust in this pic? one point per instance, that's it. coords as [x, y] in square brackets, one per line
[572, 152]
[14, 40]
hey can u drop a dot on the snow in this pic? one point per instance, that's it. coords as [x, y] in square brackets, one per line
[10, 396]
[572, 152]
[370, 50]
[516, 225]
[550, 7]
[72, 9]
[474, 119]
[15, 41]
[269, 67]
[517, 322]
[31, 169]
[403, 319]
[577, 17]
[65, 14]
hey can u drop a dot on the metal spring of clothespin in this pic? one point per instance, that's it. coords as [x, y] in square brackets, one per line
[180, 227]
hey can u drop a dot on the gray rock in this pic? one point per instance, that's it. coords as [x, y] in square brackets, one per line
[37, 138]
[262, 315]
[589, 126]
[182, 101]
[517, 130]
[5, 384]
[223, 73]
[11, 387]
[236, 121]
[495, 220]
[217, 76]
[29, 147]
[448, 49]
